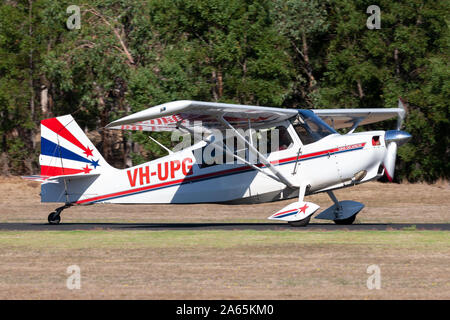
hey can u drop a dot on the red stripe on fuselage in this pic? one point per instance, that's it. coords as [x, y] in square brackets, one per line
[212, 174]
[158, 185]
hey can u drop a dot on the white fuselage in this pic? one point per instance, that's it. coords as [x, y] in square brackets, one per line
[327, 164]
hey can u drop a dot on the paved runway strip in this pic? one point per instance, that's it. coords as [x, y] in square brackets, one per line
[219, 226]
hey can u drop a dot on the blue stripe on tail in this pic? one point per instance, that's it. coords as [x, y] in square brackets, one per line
[51, 149]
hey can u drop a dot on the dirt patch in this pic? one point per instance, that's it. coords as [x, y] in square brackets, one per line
[385, 203]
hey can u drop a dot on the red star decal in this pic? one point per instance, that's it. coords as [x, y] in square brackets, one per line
[88, 152]
[303, 209]
[86, 169]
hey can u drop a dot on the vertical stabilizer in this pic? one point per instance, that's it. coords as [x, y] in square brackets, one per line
[66, 150]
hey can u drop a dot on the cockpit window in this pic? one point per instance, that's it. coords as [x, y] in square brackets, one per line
[265, 140]
[278, 138]
[310, 128]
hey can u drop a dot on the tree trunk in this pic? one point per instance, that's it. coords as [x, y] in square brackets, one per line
[31, 73]
[127, 145]
[312, 80]
[360, 89]
[217, 79]
[220, 84]
[105, 134]
[4, 163]
[44, 96]
[44, 101]
[30, 62]
[397, 65]
[214, 87]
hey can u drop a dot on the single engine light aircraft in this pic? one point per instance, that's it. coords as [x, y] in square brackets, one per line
[312, 157]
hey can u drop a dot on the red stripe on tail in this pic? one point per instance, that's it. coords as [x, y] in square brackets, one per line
[57, 171]
[57, 127]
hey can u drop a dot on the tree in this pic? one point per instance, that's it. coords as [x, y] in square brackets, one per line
[407, 57]
[213, 51]
[89, 68]
[304, 24]
[17, 87]
[130, 55]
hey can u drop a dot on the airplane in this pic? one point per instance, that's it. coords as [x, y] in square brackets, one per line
[306, 155]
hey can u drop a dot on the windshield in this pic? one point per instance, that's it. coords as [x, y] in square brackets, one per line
[310, 128]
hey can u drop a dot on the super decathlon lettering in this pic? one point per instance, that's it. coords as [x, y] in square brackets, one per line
[353, 146]
[164, 171]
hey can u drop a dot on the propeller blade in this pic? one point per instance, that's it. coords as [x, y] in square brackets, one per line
[389, 160]
[393, 139]
[402, 115]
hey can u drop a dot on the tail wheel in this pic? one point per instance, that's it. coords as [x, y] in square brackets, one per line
[300, 223]
[54, 218]
[346, 221]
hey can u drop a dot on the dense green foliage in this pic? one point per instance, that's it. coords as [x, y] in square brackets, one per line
[131, 54]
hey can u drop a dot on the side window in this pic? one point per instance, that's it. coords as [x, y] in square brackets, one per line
[311, 128]
[274, 139]
[209, 156]
[280, 139]
[265, 140]
[305, 135]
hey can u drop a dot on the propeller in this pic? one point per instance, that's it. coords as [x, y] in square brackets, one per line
[393, 139]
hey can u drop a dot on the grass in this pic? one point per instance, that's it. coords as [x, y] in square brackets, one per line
[410, 228]
[407, 238]
[221, 264]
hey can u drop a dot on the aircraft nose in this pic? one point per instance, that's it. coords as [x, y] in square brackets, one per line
[397, 136]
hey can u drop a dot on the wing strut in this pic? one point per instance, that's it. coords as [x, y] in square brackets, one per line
[356, 123]
[282, 178]
[161, 145]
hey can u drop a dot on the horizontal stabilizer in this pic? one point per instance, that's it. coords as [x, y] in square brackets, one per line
[54, 179]
[296, 211]
[75, 176]
[36, 178]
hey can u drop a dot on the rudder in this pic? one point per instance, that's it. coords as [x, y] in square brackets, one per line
[66, 150]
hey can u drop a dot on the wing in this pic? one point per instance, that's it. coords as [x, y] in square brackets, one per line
[343, 118]
[169, 116]
[188, 114]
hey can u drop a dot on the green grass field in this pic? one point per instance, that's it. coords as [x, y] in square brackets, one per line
[67, 240]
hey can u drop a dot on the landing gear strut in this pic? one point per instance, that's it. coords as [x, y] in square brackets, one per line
[301, 194]
[55, 216]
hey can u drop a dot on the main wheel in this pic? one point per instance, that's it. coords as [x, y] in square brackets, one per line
[54, 218]
[346, 221]
[300, 223]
